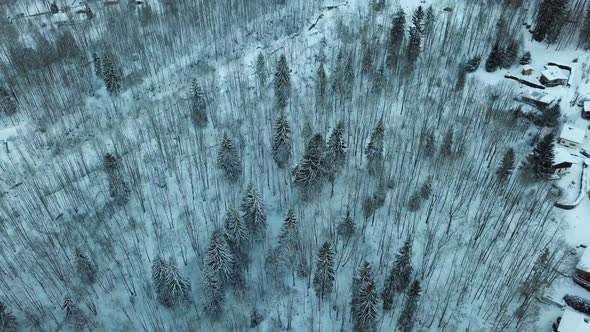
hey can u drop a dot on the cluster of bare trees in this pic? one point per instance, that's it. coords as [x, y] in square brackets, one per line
[425, 223]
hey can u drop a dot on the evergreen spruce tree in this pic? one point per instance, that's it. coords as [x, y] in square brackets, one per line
[417, 19]
[379, 195]
[199, 105]
[374, 150]
[228, 160]
[510, 54]
[322, 85]
[261, 70]
[177, 288]
[85, 268]
[74, 316]
[338, 84]
[364, 300]
[368, 58]
[118, 188]
[395, 39]
[506, 166]
[413, 49]
[551, 17]
[537, 278]
[7, 320]
[379, 80]
[429, 23]
[472, 64]
[348, 77]
[426, 189]
[336, 153]
[415, 202]
[494, 59]
[53, 8]
[311, 172]
[111, 75]
[525, 59]
[282, 82]
[281, 141]
[551, 116]
[254, 213]
[407, 317]
[346, 226]
[461, 78]
[446, 148]
[289, 240]
[323, 280]
[159, 268]
[219, 258]
[428, 143]
[399, 276]
[66, 46]
[584, 41]
[214, 294]
[97, 62]
[236, 234]
[8, 103]
[539, 164]
[45, 50]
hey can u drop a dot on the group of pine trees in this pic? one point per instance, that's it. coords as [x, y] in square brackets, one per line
[118, 188]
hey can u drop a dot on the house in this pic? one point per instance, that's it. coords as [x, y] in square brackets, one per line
[586, 110]
[563, 161]
[572, 321]
[527, 70]
[554, 76]
[571, 137]
[538, 99]
[582, 276]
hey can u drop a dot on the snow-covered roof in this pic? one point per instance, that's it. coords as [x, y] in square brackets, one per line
[573, 321]
[541, 97]
[587, 106]
[554, 73]
[584, 263]
[562, 156]
[527, 67]
[573, 134]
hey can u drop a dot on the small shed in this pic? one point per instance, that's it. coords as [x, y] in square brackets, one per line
[527, 70]
[586, 110]
[571, 137]
[538, 99]
[572, 321]
[582, 276]
[554, 76]
[563, 161]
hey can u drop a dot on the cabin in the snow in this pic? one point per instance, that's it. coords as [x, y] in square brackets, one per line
[538, 99]
[563, 161]
[527, 70]
[571, 137]
[582, 276]
[586, 110]
[554, 75]
[572, 321]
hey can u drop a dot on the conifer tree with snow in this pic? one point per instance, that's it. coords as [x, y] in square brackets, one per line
[53, 8]
[429, 23]
[426, 189]
[446, 148]
[551, 16]
[321, 85]
[379, 80]
[199, 105]
[472, 64]
[368, 55]
[289, 240]
[282, 82]
[346, 226]
[338, 84]
[85, 268]
[214, 294]
[494, 59]
[7, 319]
[407, 317]
[506, 166]
[74, 316]
[336, 153]
[323, 279]
[374, 150]
[578, 303]
[395, 39]
[261, 69]
[219, 259]
[177, 290]
[97, 62]
[399, 276]
[510, 54]
[415, 39]
[236, 234]
[111, 75]
[8, 103]
[312, 171]
[228, 159]
[539, 164]
[118, 188]
[159, 269]
[281, 141]
[536, 281]
[551, 115]
[461, 78]
[379, 195]
[584, 36]
[348, 77]
[254, 213]
[364, 300]
[525, 59]
[428, 143]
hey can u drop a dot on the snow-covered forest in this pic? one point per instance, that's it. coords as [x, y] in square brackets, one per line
[286, 165]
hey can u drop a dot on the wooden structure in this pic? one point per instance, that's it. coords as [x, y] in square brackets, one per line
[563, 161]
[527, 70]
[572, 321]
[586, 110]
[538, 99]
[582, 276]
[554, 76]
[571, 137]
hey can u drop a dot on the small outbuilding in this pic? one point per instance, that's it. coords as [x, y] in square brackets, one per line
[527, 70]
[586, 110]
[572, 321]
[554, 76]
[582, 276]
[563, 160]
[571, 137]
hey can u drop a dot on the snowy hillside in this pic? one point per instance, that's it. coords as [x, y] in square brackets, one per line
[270, 165]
